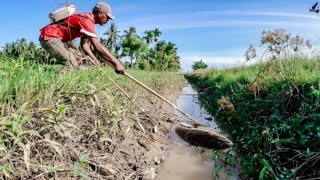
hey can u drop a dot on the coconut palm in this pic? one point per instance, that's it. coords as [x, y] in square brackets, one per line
[166, 56]
[131, 32]
[103, 41]
[21, 47]
[157, 34]
[31, 53]
[149, 37]
[113, 37]
[8, 49]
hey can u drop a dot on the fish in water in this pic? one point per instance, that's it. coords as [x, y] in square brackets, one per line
[202, 137]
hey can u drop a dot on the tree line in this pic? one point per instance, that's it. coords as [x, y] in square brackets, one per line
[146, 52]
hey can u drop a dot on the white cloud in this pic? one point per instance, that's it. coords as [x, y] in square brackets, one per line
[229, 18]
[233, 13]
[261, 13]
[213, 61]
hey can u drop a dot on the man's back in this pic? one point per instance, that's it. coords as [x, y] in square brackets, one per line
[70, 28]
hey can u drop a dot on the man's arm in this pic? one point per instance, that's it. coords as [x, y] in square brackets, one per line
[85, 45]
[103, 51]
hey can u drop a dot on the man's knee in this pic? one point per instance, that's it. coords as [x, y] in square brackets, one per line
[76, 53]
[64, 55]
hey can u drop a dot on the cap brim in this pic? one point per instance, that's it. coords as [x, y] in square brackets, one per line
[111, 16]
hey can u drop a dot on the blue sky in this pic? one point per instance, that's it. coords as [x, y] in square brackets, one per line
[216, 31]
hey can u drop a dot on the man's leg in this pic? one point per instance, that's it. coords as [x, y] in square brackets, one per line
[83, 58]
[57, 49]
[75, 51]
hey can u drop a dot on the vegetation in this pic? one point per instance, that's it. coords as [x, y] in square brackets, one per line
[60, 125]
[78, 124]
[26, 50]
[199, 65]
[147, 52]
[271, 110]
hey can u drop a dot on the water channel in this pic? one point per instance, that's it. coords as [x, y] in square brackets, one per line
[185, 162]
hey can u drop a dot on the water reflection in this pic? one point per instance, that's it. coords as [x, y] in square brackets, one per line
[185, 162]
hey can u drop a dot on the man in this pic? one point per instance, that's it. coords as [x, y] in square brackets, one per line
[56, 38]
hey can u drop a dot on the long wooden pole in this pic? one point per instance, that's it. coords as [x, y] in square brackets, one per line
[158, 95]
[161, 97]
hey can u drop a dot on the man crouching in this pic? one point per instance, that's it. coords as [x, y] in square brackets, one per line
[56, 38]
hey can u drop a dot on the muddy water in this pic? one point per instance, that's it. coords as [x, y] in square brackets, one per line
[185, 162]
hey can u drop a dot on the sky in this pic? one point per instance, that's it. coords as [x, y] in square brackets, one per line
[216, 31]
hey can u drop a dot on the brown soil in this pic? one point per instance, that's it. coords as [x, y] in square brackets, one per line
[122, 143]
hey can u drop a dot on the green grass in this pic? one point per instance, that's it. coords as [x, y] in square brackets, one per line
[29, 82]
[46, 114]
[272, 112]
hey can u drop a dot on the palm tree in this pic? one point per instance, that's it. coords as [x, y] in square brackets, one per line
[170, 48]
[21, 47]
[31, 53]
[16, 49]
[131, 32]
[8, 49]
[157, 33]
[149, 37]
[113, 37]
[166, 56]
[160, 54]
[173, 58]
[103, 41]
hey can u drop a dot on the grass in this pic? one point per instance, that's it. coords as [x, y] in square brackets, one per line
[272, 112]
[74, 124]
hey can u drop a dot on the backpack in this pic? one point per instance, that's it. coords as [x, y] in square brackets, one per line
[62, 13]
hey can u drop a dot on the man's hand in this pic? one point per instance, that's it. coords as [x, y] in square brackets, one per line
[119, 69]
[104, 52]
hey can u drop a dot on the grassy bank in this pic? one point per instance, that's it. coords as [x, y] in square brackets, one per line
[272, 112]
[79, 124]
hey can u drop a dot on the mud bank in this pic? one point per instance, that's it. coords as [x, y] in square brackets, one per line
[92, 132]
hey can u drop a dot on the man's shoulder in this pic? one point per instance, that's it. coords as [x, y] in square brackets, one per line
[86, 15]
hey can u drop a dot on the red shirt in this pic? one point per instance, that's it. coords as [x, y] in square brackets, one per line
[83, 24]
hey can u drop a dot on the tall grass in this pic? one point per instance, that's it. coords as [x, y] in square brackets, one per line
[51, 121]
[272, 112]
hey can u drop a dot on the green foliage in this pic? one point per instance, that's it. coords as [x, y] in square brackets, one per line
[162, 57]
[113, 39]
[133, 47]
[199, 65]
[149, 37]
[7, 170]
[43, 114]
[272, 114]
[166, 57]
[145, 53]
[79, 165]
[26, 51]
[144, 65]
